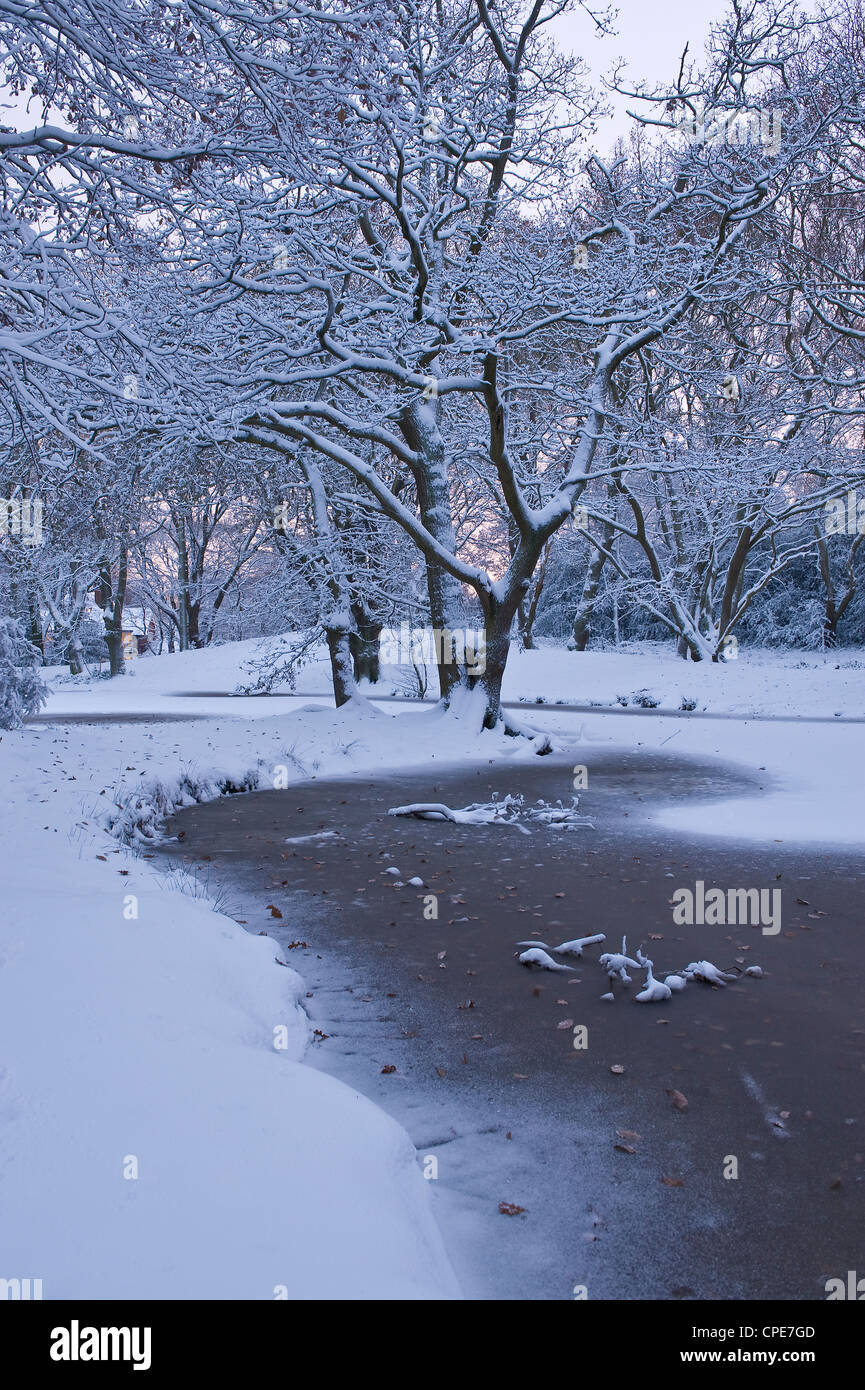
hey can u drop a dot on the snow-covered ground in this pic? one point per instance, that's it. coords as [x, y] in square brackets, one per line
[758, 682]
[184, 1153]
[161, 1136]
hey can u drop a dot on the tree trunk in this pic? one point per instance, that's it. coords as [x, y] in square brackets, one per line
[35, 632]
[75, 657]
[735, 576]
[364, 644]
[111, 599]
[525, 618]
[182, 586]
[419, 426]
[830, 606]
[339, 649]
[498, 640]
[193, 617]
[588, 600]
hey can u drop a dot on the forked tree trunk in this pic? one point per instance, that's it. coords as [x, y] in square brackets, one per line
[835, 606]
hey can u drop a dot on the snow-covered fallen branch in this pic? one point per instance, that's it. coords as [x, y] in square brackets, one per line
[616, 964]
[511, 810]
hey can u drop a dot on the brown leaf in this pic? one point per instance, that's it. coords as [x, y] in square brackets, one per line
[440, 1071]
[672, 1182]
[274, 911]
[679, 1101]
[624, 1148]
[386, 1071]
[510, 1209]
[629, 1134]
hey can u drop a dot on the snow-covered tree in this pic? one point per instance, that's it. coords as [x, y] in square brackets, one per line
[22, 692]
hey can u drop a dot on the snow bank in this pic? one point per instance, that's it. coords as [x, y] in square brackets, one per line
[160, 1139]
[759, 682]
[650, 675]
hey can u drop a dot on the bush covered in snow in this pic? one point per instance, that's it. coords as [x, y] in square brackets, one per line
[21, 690]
